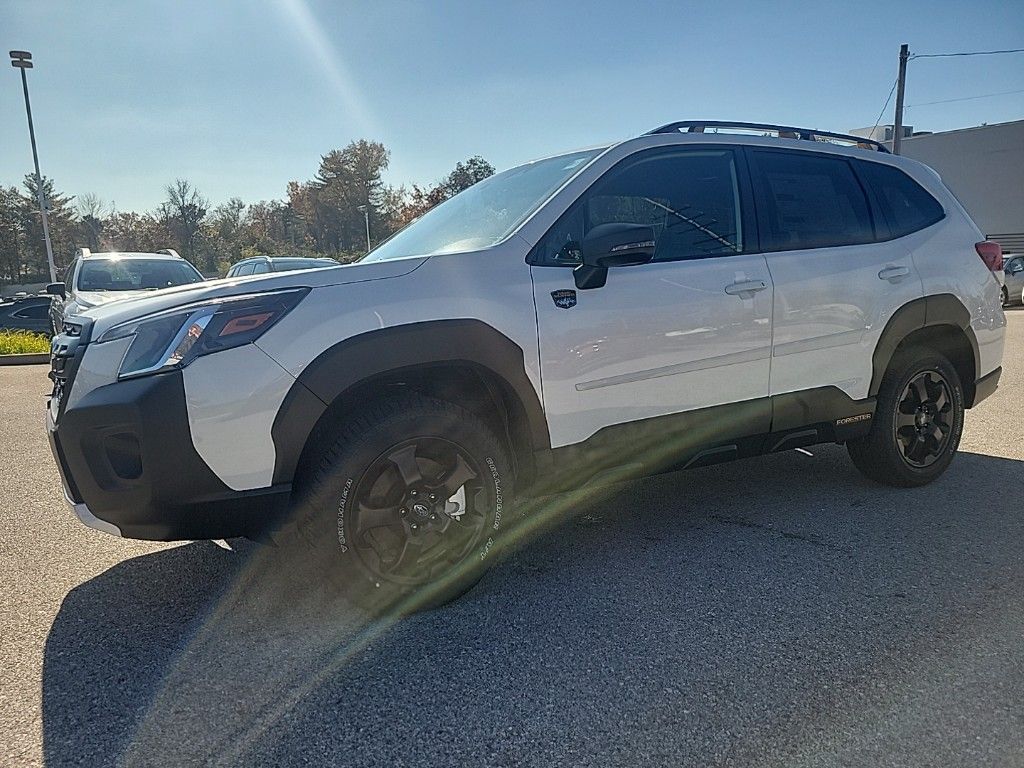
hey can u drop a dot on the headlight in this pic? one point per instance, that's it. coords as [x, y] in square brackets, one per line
[175, 338]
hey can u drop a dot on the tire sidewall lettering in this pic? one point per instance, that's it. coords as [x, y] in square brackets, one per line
[342, 504]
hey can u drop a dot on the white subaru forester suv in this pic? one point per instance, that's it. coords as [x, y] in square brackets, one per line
[686, 297]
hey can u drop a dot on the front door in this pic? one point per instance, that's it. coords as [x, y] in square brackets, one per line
[688, 331]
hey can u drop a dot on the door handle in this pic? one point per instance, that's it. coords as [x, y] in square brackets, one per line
[745, 288]
[893, 273]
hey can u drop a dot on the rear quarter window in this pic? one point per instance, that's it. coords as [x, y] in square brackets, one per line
[905, 205]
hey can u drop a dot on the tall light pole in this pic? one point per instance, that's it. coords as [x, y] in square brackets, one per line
[23, 60]
[365, 210]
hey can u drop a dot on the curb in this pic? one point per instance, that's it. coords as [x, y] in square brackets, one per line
[38, 359]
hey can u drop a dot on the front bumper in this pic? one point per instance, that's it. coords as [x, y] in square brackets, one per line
[129, 467]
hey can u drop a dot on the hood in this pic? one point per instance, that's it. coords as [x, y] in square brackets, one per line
[114, 312]
[89, 299]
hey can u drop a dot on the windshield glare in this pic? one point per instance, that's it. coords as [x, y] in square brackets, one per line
[485, 213]
[135, 274]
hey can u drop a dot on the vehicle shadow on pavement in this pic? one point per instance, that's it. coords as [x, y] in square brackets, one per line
[757, 611]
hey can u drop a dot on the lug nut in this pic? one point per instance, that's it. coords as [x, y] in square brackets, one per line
[413, 526]
[433, 517]
[432, 497]
[412, 492]
[403, 511]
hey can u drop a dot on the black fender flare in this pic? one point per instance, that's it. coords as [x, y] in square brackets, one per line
[367, 355]
[928, 311]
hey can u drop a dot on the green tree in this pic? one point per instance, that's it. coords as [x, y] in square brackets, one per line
[11, 235]
[63, 223]
[129, 231]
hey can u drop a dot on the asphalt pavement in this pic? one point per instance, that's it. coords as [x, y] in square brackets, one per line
[773, 611]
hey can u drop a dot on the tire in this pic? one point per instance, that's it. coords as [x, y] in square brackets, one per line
[1004, 296]
[405, 508]
[918, 421]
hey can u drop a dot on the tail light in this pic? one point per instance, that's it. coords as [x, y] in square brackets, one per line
[991, 253]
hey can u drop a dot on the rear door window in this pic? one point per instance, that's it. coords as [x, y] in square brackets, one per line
[809, 201]
[905, 204]
[34, 312]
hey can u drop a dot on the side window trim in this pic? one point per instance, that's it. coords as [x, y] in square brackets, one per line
[748, 223]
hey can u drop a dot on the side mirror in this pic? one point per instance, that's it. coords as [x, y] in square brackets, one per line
[57, 289]
[612, 245]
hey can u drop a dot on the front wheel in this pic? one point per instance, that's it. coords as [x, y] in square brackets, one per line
[918, 421]
[406, 508]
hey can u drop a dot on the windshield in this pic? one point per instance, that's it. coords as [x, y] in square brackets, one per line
[486, 212]
[135, 274]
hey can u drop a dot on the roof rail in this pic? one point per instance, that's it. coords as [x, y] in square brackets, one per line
[169, 252]
[783, 131]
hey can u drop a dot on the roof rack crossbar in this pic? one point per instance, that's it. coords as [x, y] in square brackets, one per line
[807, 134]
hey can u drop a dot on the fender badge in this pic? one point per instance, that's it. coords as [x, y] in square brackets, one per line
[564, 299]
[852, 419]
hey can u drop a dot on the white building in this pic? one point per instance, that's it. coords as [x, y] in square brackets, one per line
[984, 166]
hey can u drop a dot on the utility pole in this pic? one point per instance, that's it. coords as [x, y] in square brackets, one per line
[901, 83]
[23, 60]
[365, 210]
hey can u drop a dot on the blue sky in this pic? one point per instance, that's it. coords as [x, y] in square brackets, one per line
[242, 97]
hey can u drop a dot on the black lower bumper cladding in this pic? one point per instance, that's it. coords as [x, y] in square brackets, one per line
[126, 452]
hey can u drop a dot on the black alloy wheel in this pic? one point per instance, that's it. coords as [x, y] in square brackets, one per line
[924, 423]
[917, 423]
[406, 507]
[417, 511]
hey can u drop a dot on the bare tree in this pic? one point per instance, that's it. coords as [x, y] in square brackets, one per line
[183, 214]
[93, 212]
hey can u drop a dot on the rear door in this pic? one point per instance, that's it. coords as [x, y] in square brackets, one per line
[837, 279]
[690, 330]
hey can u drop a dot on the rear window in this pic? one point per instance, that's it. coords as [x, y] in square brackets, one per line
[906, 205]
[810, 201]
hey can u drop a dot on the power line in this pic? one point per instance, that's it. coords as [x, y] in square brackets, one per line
[964, 98]
[964, 53]
[884, 107]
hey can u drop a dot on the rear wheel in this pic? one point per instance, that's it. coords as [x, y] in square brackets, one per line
[405, 509]
[918, 421]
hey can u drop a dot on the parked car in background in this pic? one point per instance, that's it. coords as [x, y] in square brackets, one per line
[26, 314]
[93, 279]
[1013, 275]
[261, 265]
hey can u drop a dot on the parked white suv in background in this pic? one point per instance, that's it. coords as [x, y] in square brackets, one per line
[93, 279]
[677, 299]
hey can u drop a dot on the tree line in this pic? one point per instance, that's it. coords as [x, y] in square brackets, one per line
[320, 217]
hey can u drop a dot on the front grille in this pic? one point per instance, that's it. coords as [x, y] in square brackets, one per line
[66, 352]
